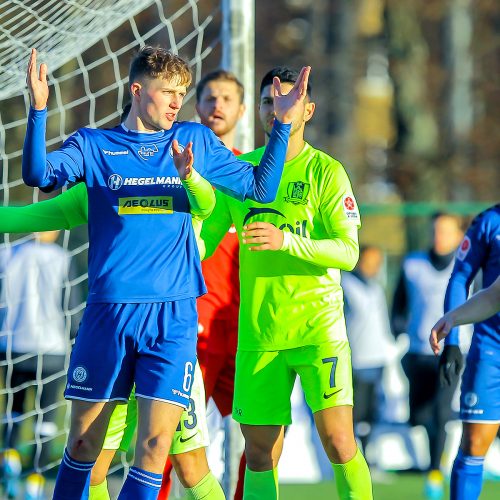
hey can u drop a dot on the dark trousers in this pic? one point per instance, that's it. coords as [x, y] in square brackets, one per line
[430, 404]
[366, 386]
[36, 372]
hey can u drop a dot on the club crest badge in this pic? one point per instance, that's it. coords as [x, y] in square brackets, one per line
[297, 192]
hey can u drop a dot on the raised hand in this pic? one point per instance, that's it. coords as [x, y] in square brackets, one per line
[287, 106]
[262, 236]
[37, 83]
[183, 160]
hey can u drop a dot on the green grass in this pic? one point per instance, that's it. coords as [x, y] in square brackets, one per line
[402, 487]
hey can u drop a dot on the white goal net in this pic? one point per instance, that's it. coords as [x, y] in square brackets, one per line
[87, 45]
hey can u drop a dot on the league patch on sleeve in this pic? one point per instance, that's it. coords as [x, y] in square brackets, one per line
[464, 248]
[350, 207]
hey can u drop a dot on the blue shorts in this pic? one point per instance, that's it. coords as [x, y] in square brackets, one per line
[151, 344]
[480, 391]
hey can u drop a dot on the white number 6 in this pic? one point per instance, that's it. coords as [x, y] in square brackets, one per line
[188, 376]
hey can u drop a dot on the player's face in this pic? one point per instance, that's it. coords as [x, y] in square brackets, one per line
[370, 262]
[266, 110]
[219, 107]
[446, 235]
[159, 102]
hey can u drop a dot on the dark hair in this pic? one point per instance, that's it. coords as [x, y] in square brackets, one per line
[367, 248]
[285, 74]
[219, 75]
[125, 111]
[437, 215]
[157, 62]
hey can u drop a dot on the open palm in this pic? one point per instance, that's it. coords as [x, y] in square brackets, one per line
[287, 106]
[183, 160]
[37, 83]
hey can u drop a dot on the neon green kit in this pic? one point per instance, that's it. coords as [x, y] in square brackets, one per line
[292, 298]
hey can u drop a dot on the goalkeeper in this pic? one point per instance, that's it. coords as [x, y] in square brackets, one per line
[291, 314]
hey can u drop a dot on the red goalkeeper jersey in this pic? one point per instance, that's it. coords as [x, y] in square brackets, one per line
[221, 278]
[221, 273]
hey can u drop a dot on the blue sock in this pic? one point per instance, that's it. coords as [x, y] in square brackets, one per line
[140, 485]
[466, 477]
[73, 479]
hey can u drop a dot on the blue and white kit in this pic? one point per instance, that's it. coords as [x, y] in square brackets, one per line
[480, 250]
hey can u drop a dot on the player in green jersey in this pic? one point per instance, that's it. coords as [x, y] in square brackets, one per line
[291, 315]
[70, 210]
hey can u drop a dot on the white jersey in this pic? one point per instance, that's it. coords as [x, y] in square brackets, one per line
[32, 281]
[426, 288]
[367, 322]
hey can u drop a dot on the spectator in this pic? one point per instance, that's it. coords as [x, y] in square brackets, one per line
[368, 330]
[35, 335]
[418, 301]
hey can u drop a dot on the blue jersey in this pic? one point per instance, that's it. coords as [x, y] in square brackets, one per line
[480, 250]
[142, 244]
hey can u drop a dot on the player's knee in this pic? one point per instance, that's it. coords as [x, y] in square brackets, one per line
[340, 447]
[156, 447]
[84, 448]
[259, 455]
[475, 444]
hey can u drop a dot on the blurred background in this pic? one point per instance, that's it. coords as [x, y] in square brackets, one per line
[407, 97]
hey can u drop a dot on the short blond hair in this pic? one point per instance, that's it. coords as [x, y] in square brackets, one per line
[157, 62]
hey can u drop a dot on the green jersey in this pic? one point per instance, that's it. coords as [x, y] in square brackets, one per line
[66, 211]
[292, 297]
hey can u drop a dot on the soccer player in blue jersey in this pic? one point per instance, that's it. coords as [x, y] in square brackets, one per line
[480, 391]
[140, 323]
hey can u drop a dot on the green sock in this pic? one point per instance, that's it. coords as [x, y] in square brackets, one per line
[207, 489]
[353, 479]
[261, 485]
[99, 491]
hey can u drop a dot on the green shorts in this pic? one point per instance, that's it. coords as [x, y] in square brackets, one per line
[122, 425]
[264, 381]
[191, 434]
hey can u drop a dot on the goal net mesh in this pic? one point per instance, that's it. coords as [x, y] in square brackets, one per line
[87, 45]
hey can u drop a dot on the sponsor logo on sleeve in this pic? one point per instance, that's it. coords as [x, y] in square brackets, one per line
[464, 248]
[140, 205]
[350, 208]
